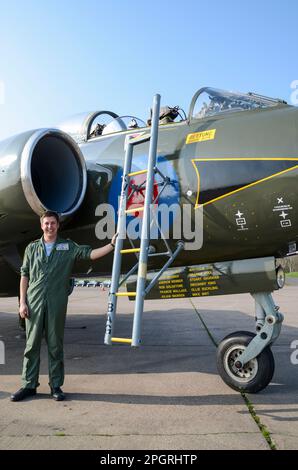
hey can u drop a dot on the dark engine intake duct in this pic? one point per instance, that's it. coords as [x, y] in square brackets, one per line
[53, 173]
[56, 174]
[41, 170]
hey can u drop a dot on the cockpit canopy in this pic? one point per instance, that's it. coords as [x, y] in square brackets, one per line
[206, 102]
[85, 126]
[211, 101]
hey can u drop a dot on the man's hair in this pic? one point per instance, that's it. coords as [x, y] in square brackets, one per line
[50, 214]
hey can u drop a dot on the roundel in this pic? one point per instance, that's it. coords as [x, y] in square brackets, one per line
[136, 192]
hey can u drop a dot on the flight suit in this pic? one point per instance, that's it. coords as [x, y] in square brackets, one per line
[47, 298]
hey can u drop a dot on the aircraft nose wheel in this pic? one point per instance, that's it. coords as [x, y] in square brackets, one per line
[248, 372]
[253, 376]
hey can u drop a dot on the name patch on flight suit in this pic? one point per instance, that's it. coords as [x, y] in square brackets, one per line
[62, 247]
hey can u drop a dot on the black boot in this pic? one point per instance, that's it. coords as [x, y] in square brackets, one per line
[57, 394]
[23, 393]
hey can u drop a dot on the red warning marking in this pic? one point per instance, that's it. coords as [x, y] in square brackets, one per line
[138, 198]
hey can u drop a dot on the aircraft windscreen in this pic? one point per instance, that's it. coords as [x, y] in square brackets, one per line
[123, 123]
[74, 126]
[87, 125]
[210, 101]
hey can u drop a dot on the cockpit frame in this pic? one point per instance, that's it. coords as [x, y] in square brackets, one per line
[227, 101]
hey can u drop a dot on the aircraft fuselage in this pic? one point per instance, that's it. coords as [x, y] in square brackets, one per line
[240, 169]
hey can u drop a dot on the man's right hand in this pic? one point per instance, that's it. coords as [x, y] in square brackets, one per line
[24, 311]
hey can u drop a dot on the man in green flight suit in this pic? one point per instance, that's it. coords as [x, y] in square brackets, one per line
[44, 290]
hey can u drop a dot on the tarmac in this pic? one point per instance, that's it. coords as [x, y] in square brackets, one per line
[164, 395]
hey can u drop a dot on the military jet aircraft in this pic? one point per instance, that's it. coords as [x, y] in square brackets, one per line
[233, 159]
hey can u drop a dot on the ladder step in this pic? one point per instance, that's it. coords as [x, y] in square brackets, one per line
[140, 172]
[123, 294]
[131, 250]
[135, 209]
[122, 340]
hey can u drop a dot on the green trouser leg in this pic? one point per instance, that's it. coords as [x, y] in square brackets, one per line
[34, 329]
[54, 333]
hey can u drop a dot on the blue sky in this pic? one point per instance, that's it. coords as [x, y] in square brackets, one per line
[58, 58]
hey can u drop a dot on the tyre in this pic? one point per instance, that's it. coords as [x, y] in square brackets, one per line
[255, 375]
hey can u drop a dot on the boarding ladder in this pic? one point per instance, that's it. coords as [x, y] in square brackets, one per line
[144, 250]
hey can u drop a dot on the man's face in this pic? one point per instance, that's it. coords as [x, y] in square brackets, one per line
[49, 226]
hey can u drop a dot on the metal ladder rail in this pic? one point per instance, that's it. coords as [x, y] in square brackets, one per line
[145, 234]
[121, 226]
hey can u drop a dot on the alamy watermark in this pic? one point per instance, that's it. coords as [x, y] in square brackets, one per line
[2, 92]
[169, 222]
[294, 94]
[2, 353]
[294, 355]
